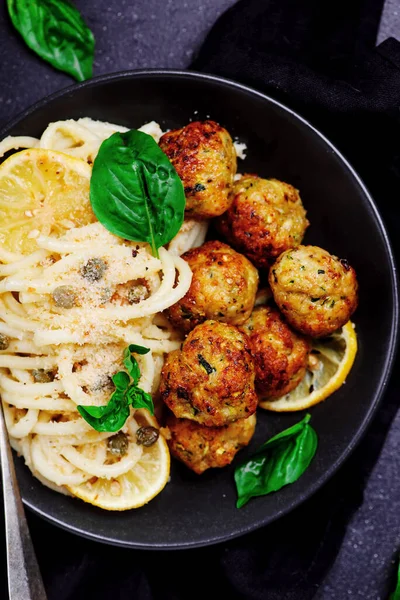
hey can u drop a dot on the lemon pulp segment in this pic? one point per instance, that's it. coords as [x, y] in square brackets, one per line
[136, 487]
[42, 192]
[329, 364]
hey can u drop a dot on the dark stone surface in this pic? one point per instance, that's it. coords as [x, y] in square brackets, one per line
[129, 35]
[166, 34]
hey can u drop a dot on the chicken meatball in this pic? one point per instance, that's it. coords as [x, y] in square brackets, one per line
[201, 448]
[211, 379]
[204, 157]
[223, 287]
[280, 355]
[266, 218]
[316, 291]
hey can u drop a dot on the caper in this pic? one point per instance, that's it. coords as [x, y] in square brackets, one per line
[94, 269]
[118, 444]
[147, 436]
[42, 376]
[4, 341]
[137, 293]
[64, 296]
[102, 383]
[106, 295]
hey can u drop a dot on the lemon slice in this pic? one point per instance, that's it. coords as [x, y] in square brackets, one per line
[330, 362]
[136, 487]
[42, 192]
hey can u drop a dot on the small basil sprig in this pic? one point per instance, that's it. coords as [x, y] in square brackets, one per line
[55, 30]
[135, 191]
[396, 594]
[278, 462]
[113, 415]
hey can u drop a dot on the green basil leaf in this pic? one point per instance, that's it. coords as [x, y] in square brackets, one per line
[138, 349]
[278, 462]
[55, 30]
[286, 433]
[135, 191]
[130, 362]
[396, 594]
[121, 381]
[140, 399]
[111, 417]
[131, 365]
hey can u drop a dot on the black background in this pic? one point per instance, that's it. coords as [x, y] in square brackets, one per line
[166, 34]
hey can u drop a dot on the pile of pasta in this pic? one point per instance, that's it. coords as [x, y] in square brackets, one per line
[52, 359]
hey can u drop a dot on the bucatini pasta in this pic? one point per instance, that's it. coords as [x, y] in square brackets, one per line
[56, 355]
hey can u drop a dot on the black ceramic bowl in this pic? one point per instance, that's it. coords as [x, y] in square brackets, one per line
[199, 510]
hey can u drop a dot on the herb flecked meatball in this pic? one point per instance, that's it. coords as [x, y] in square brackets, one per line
[280, 355]
[211, 380]
[204, 157]
[316, 291]
[266, 218]
[201, 448]
[223, 287]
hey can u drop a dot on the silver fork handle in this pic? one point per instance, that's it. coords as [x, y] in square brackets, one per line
[24, 578]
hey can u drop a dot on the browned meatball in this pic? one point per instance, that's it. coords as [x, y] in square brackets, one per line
[201, 448]
[280, 355]
[204, 157]
[211, 380]
[266, 218]
[316, 291]
[224, 287]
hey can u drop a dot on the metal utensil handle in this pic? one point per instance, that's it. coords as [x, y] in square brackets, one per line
[24, 578]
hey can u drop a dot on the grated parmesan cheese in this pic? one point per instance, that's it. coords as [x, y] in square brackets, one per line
[240, 149]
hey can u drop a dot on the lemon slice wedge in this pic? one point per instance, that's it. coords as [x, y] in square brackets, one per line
[42, 192]
[136, 487]
[330, 362]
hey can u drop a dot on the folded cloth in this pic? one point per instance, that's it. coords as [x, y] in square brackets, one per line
[320, 60]
[323, 62]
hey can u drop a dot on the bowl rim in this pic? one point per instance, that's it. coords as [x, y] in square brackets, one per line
[390, 352]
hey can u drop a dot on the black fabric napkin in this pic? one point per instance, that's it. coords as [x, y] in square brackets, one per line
[322, 61]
